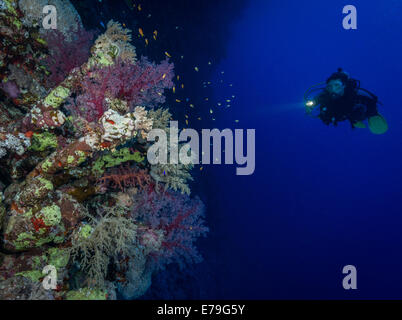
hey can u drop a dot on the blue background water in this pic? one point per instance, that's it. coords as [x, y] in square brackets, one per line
[321, 197]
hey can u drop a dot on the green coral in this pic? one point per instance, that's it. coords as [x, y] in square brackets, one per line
[85, 231]
[41, 41]
[114, 159]
[58, 257]
[34, 275]
[102, 59]
[86, 294]
[43, 141]
[10, 7]
[23, 240]
[51, 215]
[58, 239]
[57, 97]
[44, 187]
[47, 164]
[82, 156]
[46, 183]
[25, 235]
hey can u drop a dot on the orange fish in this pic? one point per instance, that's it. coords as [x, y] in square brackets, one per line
[29, 134]
[141, 32]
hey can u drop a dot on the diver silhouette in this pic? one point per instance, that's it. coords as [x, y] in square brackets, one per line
[342, 99]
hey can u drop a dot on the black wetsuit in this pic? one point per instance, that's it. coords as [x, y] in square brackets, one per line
[353, 105]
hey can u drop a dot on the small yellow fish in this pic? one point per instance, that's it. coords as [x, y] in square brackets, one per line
[124, 25]
[196, 69]
[206, 99]
[155, 33]
[154, 36]
[182, 85]
[167, 54]
[191, 105]
[146, 41]
[141, 32]
[201, 168]
[199, 118]
[186, 116]
[228, 101]
[210, 111]
[186, 122]
[164, 76]
[174, 89]
[178, 77]
[139, 7]
[178, 101]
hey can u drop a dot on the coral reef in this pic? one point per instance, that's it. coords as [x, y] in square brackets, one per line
[76, 190]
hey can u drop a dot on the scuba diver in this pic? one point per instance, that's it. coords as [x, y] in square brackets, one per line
[343, 99]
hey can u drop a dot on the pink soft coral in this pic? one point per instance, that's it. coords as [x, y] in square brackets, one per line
[178, 217]
[66, 55]
[140, 84]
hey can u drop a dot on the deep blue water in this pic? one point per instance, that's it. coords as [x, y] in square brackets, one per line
[320, 197]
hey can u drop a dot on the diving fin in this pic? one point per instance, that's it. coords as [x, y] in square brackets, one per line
[377, 124]
[359, 125]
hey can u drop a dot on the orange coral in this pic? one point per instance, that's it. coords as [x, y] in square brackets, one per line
[124, 177]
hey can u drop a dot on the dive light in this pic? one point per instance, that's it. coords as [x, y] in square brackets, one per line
[310, 103]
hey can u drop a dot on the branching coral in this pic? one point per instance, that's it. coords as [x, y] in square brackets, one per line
[140, 84]
[178, 218]
[105, 237]
[173, 176]
[124, 177]
[65, 55]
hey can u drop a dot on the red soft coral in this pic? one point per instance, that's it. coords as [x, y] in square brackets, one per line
[181, 220]
[140, 84]
[65, 55]
[124, 177]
